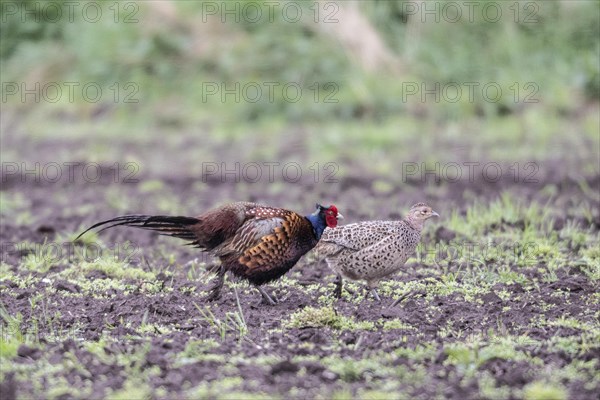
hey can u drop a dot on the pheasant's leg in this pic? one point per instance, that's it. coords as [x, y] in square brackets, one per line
[266, 298]
[215, 290]
[373, 289]
[375, 294]
[337, 292]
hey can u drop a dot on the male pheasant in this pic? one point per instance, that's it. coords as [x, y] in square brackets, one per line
[255, 242]
[373, 250]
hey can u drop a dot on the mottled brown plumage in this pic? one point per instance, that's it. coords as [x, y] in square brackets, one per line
[373, 250]
[255, 242]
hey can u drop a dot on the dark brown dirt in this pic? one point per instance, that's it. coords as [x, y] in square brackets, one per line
[116, 314]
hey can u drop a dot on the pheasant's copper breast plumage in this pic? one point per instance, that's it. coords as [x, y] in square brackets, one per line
[372, 250]
[255, 242]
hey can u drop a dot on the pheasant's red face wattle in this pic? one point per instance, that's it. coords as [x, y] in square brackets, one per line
[331, 215]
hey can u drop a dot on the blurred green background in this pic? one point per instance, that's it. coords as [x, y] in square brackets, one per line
[377, 79]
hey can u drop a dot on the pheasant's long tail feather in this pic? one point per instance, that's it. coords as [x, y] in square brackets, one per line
[180, 227]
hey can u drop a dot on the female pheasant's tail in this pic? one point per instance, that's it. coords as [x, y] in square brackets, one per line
[179, 227]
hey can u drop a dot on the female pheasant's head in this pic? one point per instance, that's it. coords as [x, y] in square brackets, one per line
[419, 213]
[324, 217]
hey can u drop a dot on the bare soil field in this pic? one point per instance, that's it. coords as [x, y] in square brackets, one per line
[123, 314]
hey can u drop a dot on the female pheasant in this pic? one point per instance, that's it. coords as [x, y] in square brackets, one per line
[255, 242]
[372, 250]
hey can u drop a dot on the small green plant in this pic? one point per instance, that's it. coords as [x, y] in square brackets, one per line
[469, 355]
[351, 370]
[326, 317]
[396, 324]
[132, 389]
[234, 321]
[540, 390]
[42, 256]
[11, 335]
[89, 239]
[116, 269]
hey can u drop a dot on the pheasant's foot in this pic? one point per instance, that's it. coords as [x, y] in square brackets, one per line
[337, 292]
[213, 295]
[266, 299]
[375, 294]
[215, 290]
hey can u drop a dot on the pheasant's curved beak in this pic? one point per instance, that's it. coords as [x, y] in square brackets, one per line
[339, 215]
[434, 214]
